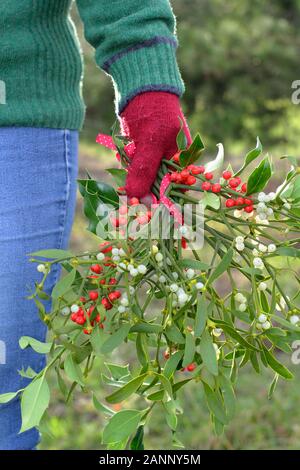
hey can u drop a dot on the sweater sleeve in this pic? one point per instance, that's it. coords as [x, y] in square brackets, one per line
[135, 43]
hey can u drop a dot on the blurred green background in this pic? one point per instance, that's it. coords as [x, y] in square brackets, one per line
[238, 60]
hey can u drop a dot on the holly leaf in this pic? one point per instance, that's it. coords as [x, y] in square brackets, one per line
[190, 155]
[259, 177]
[251, 156]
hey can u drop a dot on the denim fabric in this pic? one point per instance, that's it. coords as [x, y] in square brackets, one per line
[38, 171]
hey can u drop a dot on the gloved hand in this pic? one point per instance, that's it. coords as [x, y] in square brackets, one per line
[151, 120]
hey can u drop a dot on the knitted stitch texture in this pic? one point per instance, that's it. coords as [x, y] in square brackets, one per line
[41, 66]
[152, 120]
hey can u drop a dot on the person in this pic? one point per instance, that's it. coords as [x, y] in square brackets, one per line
[40, 66]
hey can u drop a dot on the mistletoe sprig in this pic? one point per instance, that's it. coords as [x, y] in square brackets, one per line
[190, 314]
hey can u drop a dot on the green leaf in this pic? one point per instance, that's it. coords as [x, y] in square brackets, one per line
[172, 363]
[181, 139]
[97, 338]
[73, 370]
[215, 404]
[251, 156]
[276, 365]
[173, 333]
[144, 327]
[228, 396]
[285, 323]
[210, 200]
[194, 264]
[34, 402]
[201, 316]
[119, 175]
[189, 349]
[29, 373]
[64, 284]
[222, 267]
[190, 155]
[217, 162]
[6, 397]
[273, 386]
[235, 334]
[36, 345]
[116, 339]
[208, 353]
[127, 390]
[102, 408]
[137, 441]
[141, 350]
[286, 251]
[259, 177]
[95, 194]
[171, 417]
[118, 372]
[52, 254]
[121, 426]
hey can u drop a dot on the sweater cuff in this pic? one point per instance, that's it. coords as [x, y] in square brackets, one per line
[148, 66]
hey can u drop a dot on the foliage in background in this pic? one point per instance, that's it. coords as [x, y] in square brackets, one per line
[238, 60]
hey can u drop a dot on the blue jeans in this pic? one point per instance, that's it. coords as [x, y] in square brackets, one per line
[38, 171]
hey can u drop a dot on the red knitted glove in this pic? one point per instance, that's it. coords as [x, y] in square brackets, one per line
[151, 121]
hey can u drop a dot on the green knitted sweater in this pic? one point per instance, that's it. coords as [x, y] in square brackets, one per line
[40, 60]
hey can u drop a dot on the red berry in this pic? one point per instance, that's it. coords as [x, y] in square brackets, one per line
[123, 210]
[74, 317]
[176, 157]
[234, 182]
[249, 209]
[206, 186]
[166, 354]
[96, 268]
[115, 221]
[102, 281]
[248, 201]
[134, 201]
[82, 299]
[197, 170]
[230, 203]
[106, 303]
[80, 312]
[191, 367]
[112, 281]
[208, 175]
[191, 180]
[244, 187]
[183, 243]
[216, 188]
[105, 247]
[173, 177]
[97, 319]
[184, 175]
[93, 295]
[240, 201]
[177, 178]
[227, 175]
[90, 310]
[87, 331]
[80, 320]
[114, 295]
